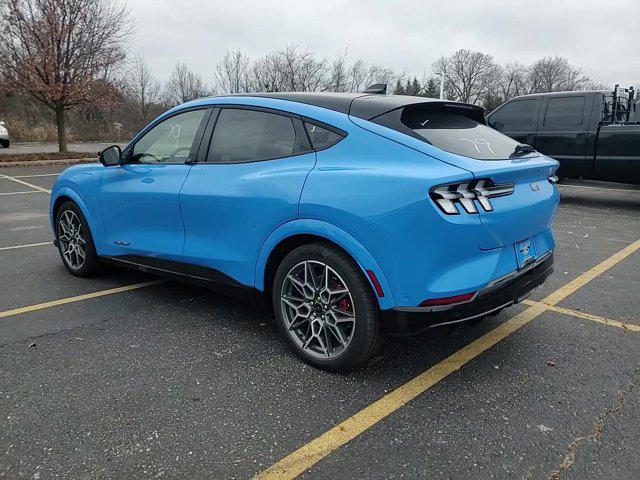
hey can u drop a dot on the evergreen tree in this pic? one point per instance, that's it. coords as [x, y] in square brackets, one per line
[431, 89]
[416, 88]
[399, 90]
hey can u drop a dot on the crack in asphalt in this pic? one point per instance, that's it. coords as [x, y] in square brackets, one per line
[52, 334]
[598, 429]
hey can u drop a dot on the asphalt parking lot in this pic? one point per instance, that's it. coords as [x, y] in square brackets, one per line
[37, 147]
[116, 377]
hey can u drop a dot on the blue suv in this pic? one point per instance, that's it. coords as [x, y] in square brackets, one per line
[351, 215]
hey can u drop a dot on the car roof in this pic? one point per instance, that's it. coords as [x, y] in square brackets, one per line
[567, 93]
[363, 105]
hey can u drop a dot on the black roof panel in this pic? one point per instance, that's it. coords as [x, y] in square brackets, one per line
[340, 102]
[362, 105]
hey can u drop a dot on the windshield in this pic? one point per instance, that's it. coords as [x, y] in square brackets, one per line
[460, 134]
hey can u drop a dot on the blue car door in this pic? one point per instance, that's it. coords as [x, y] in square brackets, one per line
[139, 200]
[245, 184]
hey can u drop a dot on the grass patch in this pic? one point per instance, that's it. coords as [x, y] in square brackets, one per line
[39, 157]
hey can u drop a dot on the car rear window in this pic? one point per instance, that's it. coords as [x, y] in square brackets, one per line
[451, 129]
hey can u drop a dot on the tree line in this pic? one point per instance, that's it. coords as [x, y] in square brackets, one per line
[69, 56]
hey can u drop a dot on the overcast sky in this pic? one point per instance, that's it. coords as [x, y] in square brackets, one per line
[405, 35]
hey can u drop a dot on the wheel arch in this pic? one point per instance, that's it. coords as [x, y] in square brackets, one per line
[67, 194]
[293, 234]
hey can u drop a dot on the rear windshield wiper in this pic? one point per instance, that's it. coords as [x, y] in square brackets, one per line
[522, 149]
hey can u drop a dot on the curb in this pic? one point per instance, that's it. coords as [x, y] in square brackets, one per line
[39, 163]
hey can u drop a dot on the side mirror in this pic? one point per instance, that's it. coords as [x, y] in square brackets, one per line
[496, 126]
[111, 156]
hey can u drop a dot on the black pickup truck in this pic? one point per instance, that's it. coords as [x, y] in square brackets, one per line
[593, 134]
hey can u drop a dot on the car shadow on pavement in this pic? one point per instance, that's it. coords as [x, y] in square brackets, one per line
[201, 313]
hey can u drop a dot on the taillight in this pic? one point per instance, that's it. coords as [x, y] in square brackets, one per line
[447, 197]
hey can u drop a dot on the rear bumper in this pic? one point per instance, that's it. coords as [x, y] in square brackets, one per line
[500, 293]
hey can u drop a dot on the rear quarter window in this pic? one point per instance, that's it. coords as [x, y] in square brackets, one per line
[321, 137]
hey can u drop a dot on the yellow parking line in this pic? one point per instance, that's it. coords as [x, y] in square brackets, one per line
[14, 247]
[306, 456]
[563, 292]
[77, 298]
[588, 316]
[27, 184]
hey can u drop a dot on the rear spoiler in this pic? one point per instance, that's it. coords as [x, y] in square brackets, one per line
[369, 107]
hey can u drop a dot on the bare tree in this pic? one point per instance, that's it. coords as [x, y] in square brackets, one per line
[232, 73]
[301, 71]
[512, 81]
[266, 74]
[184, 85]
[296, 70]
[61, 51]
[469, 75]
[142, 88]
[377, 74]
[555, 74]
[338, 73]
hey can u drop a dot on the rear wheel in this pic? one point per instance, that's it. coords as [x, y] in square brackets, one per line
[4, 143]
[325, 308]
[75, 242]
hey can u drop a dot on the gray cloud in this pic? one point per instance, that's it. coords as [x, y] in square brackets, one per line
[405, 35]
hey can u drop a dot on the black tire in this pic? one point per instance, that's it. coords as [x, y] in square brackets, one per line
[5, 143]
[367, 336]
[91, 264]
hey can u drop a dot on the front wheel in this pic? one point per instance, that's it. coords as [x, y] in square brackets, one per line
[325, 308]
[75, 242]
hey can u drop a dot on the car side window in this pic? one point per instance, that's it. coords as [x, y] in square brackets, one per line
[514, 116]
[321, 137]
[242, 135]
[564, 112]
[169, 141]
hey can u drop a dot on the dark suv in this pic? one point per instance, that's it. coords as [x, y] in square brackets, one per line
[593, 134]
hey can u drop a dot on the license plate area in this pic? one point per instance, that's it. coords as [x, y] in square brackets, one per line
[525, 252]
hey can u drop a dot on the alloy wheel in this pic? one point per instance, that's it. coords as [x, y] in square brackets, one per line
[318, 309]
[72, 240]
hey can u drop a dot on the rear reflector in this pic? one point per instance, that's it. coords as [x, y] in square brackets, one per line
[376, 283]
[448, 300]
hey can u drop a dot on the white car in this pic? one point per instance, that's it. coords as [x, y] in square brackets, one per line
[4, 135]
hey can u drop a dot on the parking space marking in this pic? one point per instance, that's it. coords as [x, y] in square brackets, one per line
[26, 245]
[602, 188]
[563, 292]
[21, 193]
[37, 175]
[26, 184]
[78, 298]
[309, 454]
[588, 316]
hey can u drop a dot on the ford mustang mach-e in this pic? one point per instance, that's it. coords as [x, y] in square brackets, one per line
[351, 215]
